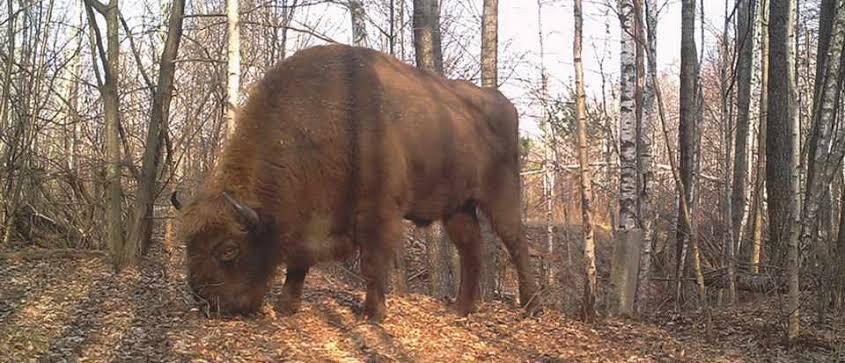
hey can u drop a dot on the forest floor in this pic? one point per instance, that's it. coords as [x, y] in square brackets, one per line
[72, 307]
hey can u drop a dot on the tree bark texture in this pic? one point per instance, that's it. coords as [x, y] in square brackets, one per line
[688, 140]
[588, 304]
[746, 29]
[645, 142]
[122, 251]
[627, 118]
[489, 79]
[782, 149]
[726, 85]
[427, 47]
[489, 44]
[839, 284]
[781, 117]
[625, 271]
[760, 183]
[359, 23]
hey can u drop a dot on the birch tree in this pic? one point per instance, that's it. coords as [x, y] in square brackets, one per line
[760, 182]
[629, 235]
[645, 142]
[588, 305]
[233, 63]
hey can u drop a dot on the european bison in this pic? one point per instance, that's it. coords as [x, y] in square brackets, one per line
[334, 147]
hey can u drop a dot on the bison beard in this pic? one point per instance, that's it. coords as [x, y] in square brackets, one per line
[333, 148]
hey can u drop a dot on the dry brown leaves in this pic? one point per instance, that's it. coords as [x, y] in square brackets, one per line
[64, 308]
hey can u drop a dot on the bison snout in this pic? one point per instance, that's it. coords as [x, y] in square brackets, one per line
[222, 304]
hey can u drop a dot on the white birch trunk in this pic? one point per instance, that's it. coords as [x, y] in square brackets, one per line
[645, 142]
[629, 238]
[233, 64]
[588, 307]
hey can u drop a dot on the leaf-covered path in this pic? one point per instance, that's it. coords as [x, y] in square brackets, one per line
[75, 309]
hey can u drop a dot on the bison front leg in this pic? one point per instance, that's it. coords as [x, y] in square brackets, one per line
[377, 237]
[291, 297]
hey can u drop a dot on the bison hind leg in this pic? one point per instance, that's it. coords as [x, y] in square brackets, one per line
[504, 214]
[464, 231]
[377, 236]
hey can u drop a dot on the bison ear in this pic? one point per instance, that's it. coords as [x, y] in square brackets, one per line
[175, 201]
[249, 216]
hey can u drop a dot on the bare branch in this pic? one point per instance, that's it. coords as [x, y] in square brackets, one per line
[136, 54]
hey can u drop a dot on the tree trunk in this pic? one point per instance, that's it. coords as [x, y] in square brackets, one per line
[359, 23]
[392, 29]
[687, 139]
[233, 65]
[141, 229]
[759, 185]
[628, 240]
[489, 44]
[746, 27]
[782, 150]
[399, 276]
[429, 55]
[549, 197]
[8, 67]
[645, 141]
[123, 252]
[726, 103]
[549, 158]
[6, 219]
[839, 295]
[781, 116]
[438, 261]
[489, 79]
[588, 307]
[822, 164]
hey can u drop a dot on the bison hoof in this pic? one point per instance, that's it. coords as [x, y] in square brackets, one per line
[287, 306]
[465, 309]
[375, 314]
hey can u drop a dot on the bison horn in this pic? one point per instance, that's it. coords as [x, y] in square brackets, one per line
[246, 212]
[175, 201]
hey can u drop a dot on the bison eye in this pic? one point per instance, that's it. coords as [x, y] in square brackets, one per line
[228, 251]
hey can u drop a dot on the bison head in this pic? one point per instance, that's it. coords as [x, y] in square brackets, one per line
[231, 252]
